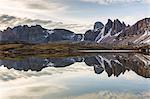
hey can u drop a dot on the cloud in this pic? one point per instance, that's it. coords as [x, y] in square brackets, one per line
[68, 10]
[12, 21]
[42, 9]
[111, 95]
[33, 4]
[146, 1]
[49, 5]
[106, 2]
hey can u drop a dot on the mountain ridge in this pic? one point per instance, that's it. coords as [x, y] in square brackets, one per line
[113, 32]
[116, 32]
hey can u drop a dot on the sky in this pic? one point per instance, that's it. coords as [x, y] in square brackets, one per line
[77, 15]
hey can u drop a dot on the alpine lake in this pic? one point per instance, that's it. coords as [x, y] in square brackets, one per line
[82, 76]
[91, 76]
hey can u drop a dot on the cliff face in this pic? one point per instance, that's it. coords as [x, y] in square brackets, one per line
[37, 34]
[116, 32]
[139, 33]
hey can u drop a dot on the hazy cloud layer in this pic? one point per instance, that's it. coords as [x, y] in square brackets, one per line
[11, 21]
[34, 4]
[116, 1]
[75, 15]
[112, 95]
[43, 9]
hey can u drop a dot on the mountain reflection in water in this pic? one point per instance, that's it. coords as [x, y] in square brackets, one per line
[112, 64]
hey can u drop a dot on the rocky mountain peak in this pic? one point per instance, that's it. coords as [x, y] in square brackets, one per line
[108, 26]
[117, 32]
[98, 26]
[8, 29]
[137, 28]
[139, 33]
[36, 34]
[114, 32]
[117, 27]
[123, 24]
[142, 24]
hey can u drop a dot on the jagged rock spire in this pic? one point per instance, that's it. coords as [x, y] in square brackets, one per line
[98, 26]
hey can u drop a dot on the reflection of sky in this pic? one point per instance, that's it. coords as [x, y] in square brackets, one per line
[77, 82]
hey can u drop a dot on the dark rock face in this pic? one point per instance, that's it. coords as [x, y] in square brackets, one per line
[79, 37]
[117, 27]
[117, 33]
[108, 26]
[113, 27]
[33, 34]
[101, 31]
[91, 61]
[37, 34]
[61, 35]
[137, 28]
[135, 33]
[98, 69]
[90, 35]
[98, 26]
[118, 69]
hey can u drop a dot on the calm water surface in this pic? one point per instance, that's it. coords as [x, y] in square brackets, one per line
[99, 76]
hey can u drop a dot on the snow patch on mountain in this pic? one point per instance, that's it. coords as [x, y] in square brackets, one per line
[102, 59]
[50, 31]
[117, 34]
[46, 36]
[145, 38]
[147, 41]
[106, 60]
[83, 37]
[70, 36]
[144, 59]
[100, 34]
[118, 62]
[104, 36]
[50, 64]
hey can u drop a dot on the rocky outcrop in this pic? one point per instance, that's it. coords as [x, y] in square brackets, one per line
[117, 33]
[37, 34]
[61, 35]
[137, 34]
[33, 34]
[91, 35]
[101, 32]
[137, 28]
[117, 27]
[108, 26]
[98, 26]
